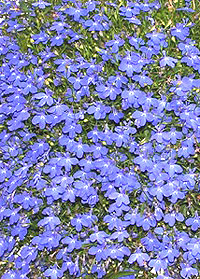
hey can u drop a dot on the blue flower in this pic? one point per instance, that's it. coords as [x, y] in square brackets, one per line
[98, 150]
[194, 222]
[40, 119]
[94, 24]
[136, 42]
[172, 217]
[167, 60]
[170, 253]
[44, 98]
[11, 274]
[187, 271]
[72, 267]
[99, 270]
[47, 239]
[120, 234]
[143, 79]
[134, 96]
[119, 198]
[171, 168]
[58, 26]
[3, 245]
[141, 117]
[115, 44]
[118, 80]
[57, 40]
[113, 222]
[150, 242]
[133, 20]
[140, 257]
[72, 242]
[100, 252]
[67, 161]
[131, 63]
[108, 91]
[41, 4]
[99, 110]
[29, 253]
[53, 272]
[42, 37]
[193, 246]
[77, 12]
[99, 236]
[144, 163]
[158, 264]
[50, 222]
[156, 40]
[79, 221]
[128, 276]
[54, 192]
[118, 252]
[180, 31]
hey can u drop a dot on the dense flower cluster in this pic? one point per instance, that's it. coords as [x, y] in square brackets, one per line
[99, 141]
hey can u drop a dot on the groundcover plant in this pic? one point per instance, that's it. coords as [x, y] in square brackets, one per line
[99, 139]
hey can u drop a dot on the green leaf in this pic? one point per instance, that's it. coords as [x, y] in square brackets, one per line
[24, 7]
[118, 274]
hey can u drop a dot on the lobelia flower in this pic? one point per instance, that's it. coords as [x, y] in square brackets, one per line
[72, 242]
[158, 264]
[47, 239]
[72, 267]
[67, 161]
[41, 37]
[108, 90]
[146, 221]
[50, 222]
[113, 221]
[121, 234]
[57, 40]
[187, 271]
[99, 236]
[143, 162]
[58, 26]
[40, 119]
[100, 252]
[150, 242]
[134, 96]
[180, 31]
[167, 60]
[77, 11]
[142, 79]
[172, 217]
[119, 198]
[29, 253]
[99, 110]
[118, 252]
[45, 98]
[140, 257]
[54, 272]
[131, 63]
[194, 222]
[98, 150]
[99, 270]
[171, 168]
[41, 4]
[115, 44]
[141, 117]
[157, 40]
[170, 253]
[79, 221]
